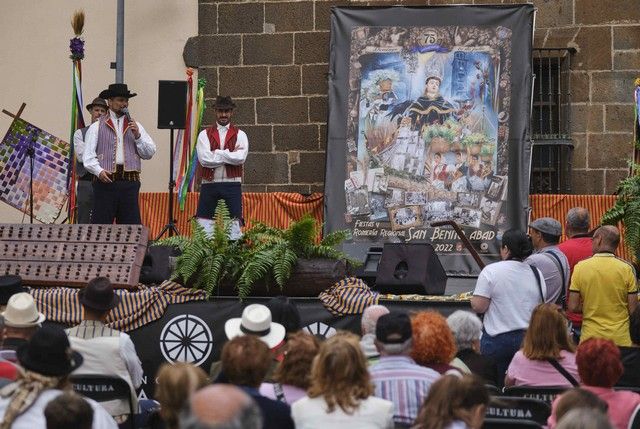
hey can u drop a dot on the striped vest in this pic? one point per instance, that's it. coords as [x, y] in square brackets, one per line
[230, 144]
[107, 143]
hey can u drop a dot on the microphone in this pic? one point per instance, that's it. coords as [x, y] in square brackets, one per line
[126, 113]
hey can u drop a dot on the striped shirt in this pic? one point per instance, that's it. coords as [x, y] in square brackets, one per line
[400, 380]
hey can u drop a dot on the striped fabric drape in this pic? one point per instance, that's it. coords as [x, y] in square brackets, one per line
[136, 308]
[278, 209]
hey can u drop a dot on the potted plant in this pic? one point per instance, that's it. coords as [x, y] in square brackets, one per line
[627, 210]
[439, 138]
[474, 142]
[207, 259]
[286, 256]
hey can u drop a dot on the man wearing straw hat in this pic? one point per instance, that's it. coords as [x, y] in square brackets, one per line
[97, 108]
[222, 150]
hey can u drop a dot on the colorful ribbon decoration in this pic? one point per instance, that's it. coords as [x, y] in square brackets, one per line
[76, 46]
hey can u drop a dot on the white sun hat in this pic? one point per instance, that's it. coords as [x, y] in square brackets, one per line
[256, 320]
[21, 312]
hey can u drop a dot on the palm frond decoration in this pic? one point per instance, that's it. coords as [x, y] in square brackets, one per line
[77, 22]
[627, 209]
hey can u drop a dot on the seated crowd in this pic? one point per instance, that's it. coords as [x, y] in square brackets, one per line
[554, 315]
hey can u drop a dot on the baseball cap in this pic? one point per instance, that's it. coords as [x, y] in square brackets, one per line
[393, 328]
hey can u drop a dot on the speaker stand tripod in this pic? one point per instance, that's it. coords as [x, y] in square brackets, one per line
[170, 227]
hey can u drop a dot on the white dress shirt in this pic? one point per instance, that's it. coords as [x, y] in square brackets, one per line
[218, 158]
[34, 418]
[78, 144]
[145, 146]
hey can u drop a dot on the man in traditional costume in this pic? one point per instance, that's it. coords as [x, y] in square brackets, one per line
[222, 150]
[115, 146]
[97, 108]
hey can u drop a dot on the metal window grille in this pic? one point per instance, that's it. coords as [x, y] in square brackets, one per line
[552, 150]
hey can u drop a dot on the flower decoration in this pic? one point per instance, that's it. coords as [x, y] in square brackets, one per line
[76, 46]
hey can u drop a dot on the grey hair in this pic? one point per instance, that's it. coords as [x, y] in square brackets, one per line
[584, 418]
[248, 417]
[396, 349]
[578, 219]
[370, 317]
[466, 328]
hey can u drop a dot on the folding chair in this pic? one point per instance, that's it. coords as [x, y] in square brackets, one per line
[513, 408]
[102, 388]
[546, 394]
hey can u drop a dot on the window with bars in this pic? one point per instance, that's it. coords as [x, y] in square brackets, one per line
[551, 121]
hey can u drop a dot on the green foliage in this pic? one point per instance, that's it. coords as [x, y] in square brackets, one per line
[473, 139]
[443, 131]
[627, 209]
[263, 254]
[274, 252]
[206, 260]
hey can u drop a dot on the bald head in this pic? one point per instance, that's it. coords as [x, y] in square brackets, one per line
[606, 239]
[233, 409]
[577, 221]
[370, 317]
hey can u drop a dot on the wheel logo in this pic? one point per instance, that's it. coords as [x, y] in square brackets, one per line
[186, 338]
[320, 329]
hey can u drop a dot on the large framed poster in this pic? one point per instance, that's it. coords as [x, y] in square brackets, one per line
[428, 121]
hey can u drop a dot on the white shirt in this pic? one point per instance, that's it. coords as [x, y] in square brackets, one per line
[512, 288]
[78, 144]
[372, 413]
[34, 418]
[145, 146]
[217, 158]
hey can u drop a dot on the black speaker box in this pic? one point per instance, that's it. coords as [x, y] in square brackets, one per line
[155, 265]
[410, 269]
[172, 104]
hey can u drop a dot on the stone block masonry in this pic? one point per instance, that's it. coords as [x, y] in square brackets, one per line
[272, 56]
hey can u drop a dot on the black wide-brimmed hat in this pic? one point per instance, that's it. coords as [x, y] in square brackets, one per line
[117, 90]
[99, 295]
[10, 285]
[97, 102]
[48, 352]
[224, 103]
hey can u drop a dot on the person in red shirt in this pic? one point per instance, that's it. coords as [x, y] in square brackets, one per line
[576, 248]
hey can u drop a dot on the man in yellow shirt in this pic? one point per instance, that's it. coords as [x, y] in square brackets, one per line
[604, 289]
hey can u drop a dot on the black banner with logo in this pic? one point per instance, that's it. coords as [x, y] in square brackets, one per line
[194, 332]
[429, 121]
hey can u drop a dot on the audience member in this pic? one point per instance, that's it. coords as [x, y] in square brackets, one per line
[578, 398]
[21, 320]
[467, 329]
[454, 403]
[548, 355]
[600, 368]
[341, 393]
[506, 293]
[106, 351]
[584, 418]
[221, 406]
[604, 289]
[47, 360]
[68, 411]
[285, 312]
[293, 375]
[630, 356]
[545, 235]
[245, 362]
[433, 343]
[396, 377]
[256, 320]
[175, 383]
[576, 248]
[370, 317]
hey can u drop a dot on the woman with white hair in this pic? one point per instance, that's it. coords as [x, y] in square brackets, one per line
[466, 328]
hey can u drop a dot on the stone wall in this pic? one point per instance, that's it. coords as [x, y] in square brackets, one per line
[272, 57]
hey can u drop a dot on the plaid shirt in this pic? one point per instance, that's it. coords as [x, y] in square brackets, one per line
[400, 380]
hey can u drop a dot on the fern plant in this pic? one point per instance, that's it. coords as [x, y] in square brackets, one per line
[207, 259]
[627, 209]
[274, 252]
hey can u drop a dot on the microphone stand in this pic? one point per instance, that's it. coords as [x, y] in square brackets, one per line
[170, 227]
